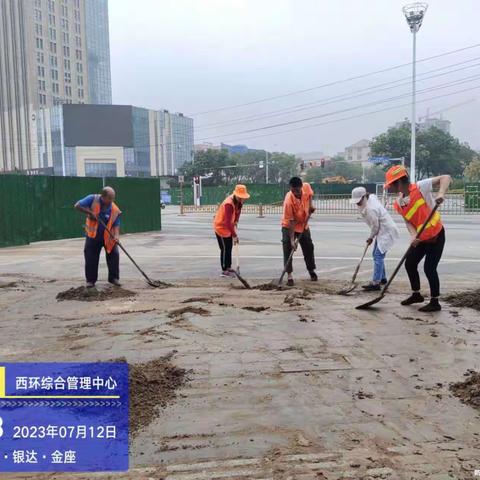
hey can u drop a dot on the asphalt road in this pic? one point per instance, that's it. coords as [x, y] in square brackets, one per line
[186, 248]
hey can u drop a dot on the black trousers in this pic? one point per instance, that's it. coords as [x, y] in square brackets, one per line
[307, 249]
[225, 244]
[432, 251]
[91, 252]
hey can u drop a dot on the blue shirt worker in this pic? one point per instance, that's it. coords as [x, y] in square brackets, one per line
[101, 211]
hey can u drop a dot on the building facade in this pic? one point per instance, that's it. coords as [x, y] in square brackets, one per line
[439, 123]
[359, 152]
[116, 140]
[52, 52]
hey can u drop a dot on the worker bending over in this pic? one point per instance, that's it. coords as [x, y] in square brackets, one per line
[382, 229]
[297, 208]
[101, 210]
[225, 226]
[414, 203]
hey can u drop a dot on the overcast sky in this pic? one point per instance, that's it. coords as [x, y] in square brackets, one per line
[193, 56]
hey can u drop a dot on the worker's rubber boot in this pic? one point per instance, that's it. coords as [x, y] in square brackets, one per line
[290, 282]
[115, 282]
[415, 297]
[383, 281]
[372, 287]
[432, 306]
[313, 276]
[89, 285]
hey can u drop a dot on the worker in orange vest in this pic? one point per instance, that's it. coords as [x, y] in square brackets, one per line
[414, 203]
[101, 207]
[225, 226]
[297, 208]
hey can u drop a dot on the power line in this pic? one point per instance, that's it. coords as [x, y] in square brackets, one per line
[336, 82]
[267, 127]
[339, 98]
[354, 116]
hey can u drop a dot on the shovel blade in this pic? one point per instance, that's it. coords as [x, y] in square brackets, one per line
[158, 284]
[367, 305]
[244, 282]
[349, 289]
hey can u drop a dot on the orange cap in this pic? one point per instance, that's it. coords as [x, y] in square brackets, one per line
[394, 173]
[241, 192]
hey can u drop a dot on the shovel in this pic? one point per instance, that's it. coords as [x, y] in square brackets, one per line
[237, 270]
[410, 248]
[152, 283]
[354, 285]
[278, 283]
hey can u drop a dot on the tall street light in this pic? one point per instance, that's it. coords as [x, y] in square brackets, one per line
[414, 14]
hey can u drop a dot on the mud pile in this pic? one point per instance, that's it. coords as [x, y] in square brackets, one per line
[470, 299]
[84, 294]
[178, 313]
[468, 391]
[152, 386]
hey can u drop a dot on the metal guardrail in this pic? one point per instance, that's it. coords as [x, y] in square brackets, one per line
[340, 205]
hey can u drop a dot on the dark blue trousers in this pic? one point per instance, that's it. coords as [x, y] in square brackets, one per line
[91, 251]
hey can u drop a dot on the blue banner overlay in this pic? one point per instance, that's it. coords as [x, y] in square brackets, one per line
[63, 417]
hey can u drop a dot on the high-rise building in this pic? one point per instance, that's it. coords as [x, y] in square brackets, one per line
[52, 52]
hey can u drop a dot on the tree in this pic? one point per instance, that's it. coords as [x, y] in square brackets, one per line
[209, 161]
[438, 152]
[472, 171]
[335, 167]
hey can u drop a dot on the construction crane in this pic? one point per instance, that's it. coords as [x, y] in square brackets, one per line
[439, 112]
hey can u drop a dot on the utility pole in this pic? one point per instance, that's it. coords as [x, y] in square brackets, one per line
[266, 166]
[414, 14]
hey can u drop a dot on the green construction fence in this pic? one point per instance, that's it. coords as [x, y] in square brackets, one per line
[36, 208]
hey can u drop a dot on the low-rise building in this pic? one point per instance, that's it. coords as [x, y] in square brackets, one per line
[358, 152]
[113, 140]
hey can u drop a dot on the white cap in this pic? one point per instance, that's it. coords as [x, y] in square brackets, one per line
[357, 194]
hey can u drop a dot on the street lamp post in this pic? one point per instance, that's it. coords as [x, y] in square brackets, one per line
[266, 166]
[414, 14]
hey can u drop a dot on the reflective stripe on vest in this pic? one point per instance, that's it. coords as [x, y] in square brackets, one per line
[91, 226]
[416, 213]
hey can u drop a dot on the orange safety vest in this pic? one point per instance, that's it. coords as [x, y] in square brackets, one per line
[92, 225]
[219, 223]
[297, 209]
[416, 213]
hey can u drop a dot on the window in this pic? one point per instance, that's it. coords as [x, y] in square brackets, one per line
[42, 99]
[66, 64]
[77, 15]
[53, 34]
[53, 47]
[38, 15]
[78, 42]
[54, 74]
[38, 29]
[80, 93]
[55, 88]
[39, 43]
[66, 38]
[64, 10]
[64, 23]
[68, 90]
[80, 80]
[68, 77]
[40, 57]
[51, 19]
[41, 85]
[76, 3]
[78, 54]
[79, 68]
[38, 3]
[78, 29]
[53, 61]
[41, 71]
[66, 51]
[51, 6]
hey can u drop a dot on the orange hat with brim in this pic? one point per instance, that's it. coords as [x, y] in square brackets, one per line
[241, 192]
[394, 173]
